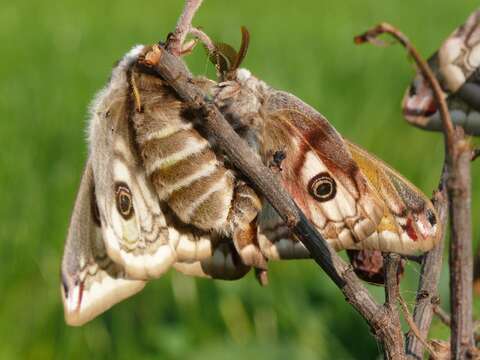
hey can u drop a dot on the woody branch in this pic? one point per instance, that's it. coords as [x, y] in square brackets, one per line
[457, 182]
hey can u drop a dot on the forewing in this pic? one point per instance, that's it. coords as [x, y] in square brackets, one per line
[134, 228]
[91, 281]
[372, 207]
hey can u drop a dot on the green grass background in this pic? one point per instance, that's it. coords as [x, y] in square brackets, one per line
[56, 55]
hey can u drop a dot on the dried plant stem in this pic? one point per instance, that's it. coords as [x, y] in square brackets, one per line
[413, 327]
[392, 292]
[461, 262]
[204, 38]
[457, 162]
[183, 28]
[442, 315]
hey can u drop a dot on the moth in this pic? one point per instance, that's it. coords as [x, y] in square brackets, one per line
[354, 199]
[156, 193]
[153, 195]
[456, 66]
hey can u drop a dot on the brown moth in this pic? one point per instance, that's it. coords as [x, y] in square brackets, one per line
[355, 200]
[142, 208]
[457, 67]
[195, 182]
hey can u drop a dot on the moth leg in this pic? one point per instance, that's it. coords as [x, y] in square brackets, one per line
[136, 94]
[245, 208]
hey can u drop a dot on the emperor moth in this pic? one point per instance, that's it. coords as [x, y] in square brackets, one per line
[156, 193]
[457, 68]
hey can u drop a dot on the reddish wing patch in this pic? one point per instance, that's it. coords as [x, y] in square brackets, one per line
[80, 295]
[411, 230]
[431, 108]
[426, 111]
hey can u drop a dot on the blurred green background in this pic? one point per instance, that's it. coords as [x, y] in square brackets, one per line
[56, 55]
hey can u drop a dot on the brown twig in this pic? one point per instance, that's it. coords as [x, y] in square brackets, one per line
[183, 28]
[204, 39]
[461, 262]
[442, 315]
[392, 292]
[414, 329]
[457, 161]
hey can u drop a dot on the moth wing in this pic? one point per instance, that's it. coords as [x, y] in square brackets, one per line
[134, 227]
[91, 281]
[276, 240]
[224, 263]
[456, 67]
[459, 55]
[319, 171]
[409, 222]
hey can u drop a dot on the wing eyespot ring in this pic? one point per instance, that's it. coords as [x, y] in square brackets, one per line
[123, 199]
[322, 187]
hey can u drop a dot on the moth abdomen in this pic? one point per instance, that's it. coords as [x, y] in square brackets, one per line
[205, 202]
[185, 172]
[188, 175]
[163, 152]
